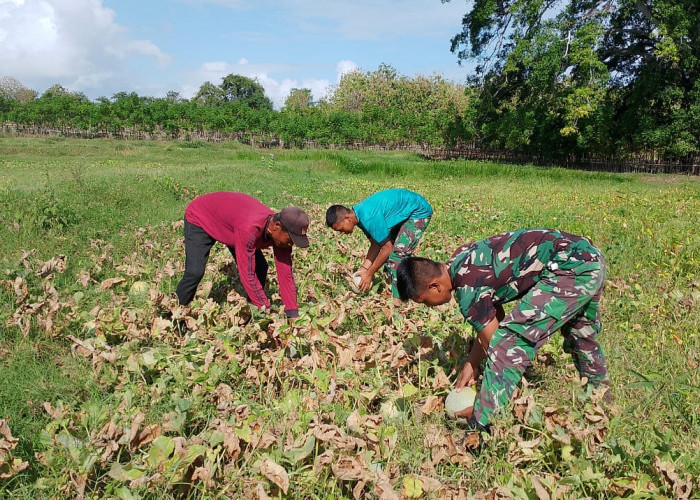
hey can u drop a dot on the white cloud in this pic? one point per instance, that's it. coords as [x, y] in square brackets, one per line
[343, 67]
[76, 43]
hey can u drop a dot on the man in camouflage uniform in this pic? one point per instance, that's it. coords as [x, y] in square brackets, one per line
[557, 279]
[394, 221]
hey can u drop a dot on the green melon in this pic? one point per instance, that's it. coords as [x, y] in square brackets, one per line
[458, 401]
[140, 290]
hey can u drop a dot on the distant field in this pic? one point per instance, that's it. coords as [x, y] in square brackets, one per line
[138, 410]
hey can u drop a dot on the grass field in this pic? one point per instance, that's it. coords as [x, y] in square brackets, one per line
[100, 395]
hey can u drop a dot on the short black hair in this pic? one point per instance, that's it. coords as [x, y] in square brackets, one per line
[413, 275]
[334, 213]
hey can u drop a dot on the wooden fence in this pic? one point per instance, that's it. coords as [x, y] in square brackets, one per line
[647, 162]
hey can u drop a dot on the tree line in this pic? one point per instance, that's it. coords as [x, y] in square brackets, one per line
[376, 107]
[554, 78]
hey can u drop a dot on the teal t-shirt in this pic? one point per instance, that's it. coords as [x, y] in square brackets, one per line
[383, 211]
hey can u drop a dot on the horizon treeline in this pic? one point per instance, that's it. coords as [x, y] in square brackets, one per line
[378, 107]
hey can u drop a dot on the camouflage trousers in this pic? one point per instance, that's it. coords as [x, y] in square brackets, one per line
[406, 241]
[566, 299]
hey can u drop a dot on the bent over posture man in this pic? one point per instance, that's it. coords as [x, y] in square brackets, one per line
[245, 226]
[393, 220]
[557, 279]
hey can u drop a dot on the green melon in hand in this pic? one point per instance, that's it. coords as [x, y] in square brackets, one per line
[458, 401]
[355, 280]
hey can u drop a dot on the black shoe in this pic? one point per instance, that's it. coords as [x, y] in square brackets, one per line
[473, 440]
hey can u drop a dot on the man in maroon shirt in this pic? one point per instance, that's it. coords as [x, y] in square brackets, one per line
[245, 226]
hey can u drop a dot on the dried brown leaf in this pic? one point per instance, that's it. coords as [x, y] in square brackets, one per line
[203, 474]
[499, 493]
[79, 482]
[681, 488]
[266, 440]
[9, 466]
[336, 437]
[20, 287]
[223, 396]
[261, 493]
[523, 406]
[134, 430]
[55, 263]
[353, 422]
[111, 283]
[55, 413]
[541, 489]
[440, 381]
[433, 403]
[323, 460]
[275, 473]
[83, 278]
[147, 435]
[8, 441]
[350, 468]
[358, 490]
[430, 484]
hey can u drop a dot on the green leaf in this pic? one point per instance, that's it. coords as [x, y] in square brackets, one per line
[412, 487]
[161, 449]
[566, 452]
[216, 438]
[125, 493]
[183, 404]
[409, 390]
[193, 452]
[298, 454]
[124, 472]
[244, 433]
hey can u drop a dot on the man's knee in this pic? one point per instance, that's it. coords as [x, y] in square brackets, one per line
[510, 351]
[193, 276]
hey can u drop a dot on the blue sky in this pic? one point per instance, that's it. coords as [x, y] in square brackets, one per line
[100, 47]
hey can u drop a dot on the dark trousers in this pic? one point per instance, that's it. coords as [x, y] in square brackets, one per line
[197, 247]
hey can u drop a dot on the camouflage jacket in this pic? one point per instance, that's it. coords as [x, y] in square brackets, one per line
[504, 267]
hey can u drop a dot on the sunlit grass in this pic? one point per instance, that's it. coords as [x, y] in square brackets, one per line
[83, 199]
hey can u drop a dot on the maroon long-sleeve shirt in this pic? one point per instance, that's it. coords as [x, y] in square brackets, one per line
[238, 220]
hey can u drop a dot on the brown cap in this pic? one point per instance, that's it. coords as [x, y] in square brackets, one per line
[296, 223]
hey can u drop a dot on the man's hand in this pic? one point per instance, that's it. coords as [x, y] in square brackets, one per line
[470, 371]
[365, 280]
[467, 376]
[466, 413]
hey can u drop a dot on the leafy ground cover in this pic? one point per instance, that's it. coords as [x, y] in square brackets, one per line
[109, 389]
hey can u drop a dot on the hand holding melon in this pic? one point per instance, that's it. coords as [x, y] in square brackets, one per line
[455, 401]
[354, 281]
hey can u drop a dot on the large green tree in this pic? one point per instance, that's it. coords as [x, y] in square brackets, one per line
[586, 76]
[209, 95]
[298, 99]
[397, 108]
[236, 89]
[239, 88]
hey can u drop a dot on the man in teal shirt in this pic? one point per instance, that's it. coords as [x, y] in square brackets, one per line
[393, 220]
